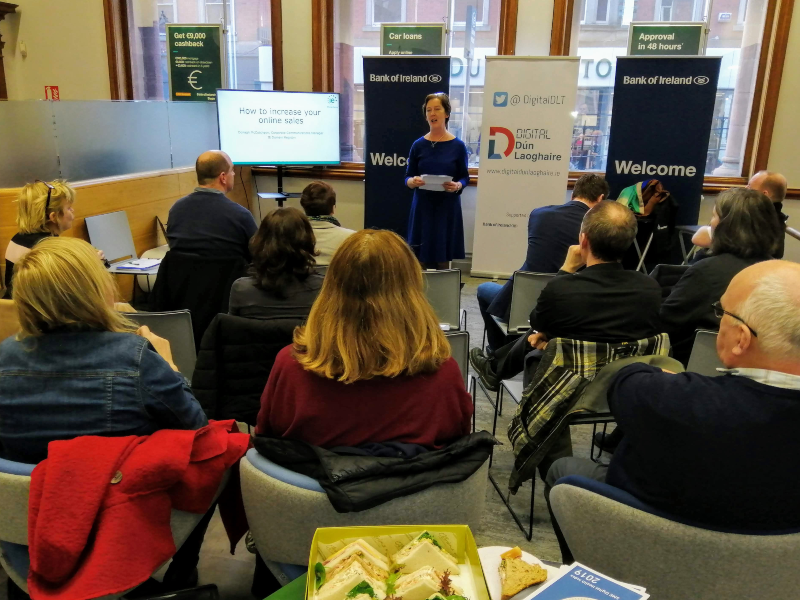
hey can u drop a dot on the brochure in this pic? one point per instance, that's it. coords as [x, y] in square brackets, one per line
[582, 583]
[142, 264]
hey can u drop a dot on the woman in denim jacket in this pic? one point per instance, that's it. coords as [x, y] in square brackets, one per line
[78, 367]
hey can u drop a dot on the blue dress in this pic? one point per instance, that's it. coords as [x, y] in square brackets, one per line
[435, 224]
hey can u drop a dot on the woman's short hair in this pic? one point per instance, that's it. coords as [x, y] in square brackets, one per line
[444, 99]
[371, 318]
[61, 282]
[748, 226]
[32, 200]
[282, 250]
[318, 199]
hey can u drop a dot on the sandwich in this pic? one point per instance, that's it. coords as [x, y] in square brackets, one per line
[375, 563]
[516, 574]
[350, 581]
[422, 584]
[424, 551]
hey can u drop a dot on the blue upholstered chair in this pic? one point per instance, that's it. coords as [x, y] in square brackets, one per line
[15, 481]
[612, 531]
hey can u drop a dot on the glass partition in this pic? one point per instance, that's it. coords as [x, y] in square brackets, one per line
[79, 140]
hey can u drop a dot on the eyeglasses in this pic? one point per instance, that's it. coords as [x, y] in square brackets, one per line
[719, 312]
[50, 189]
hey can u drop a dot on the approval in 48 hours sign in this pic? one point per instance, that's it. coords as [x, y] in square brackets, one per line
[194, 61]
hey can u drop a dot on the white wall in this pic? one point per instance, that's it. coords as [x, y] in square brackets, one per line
[297, 75]
[534, 27]
[66, 44]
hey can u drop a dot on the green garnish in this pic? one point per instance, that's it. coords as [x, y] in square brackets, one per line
[427, 536]
[361, 588]
[319, 574]
[390, 583]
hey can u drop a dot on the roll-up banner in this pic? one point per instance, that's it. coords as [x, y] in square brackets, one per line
[660, 125]
[394, 90]
[524, 153]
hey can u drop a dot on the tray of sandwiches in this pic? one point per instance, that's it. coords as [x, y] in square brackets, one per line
[435, 562]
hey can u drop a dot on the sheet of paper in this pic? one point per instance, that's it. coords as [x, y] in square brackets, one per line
[435, 182]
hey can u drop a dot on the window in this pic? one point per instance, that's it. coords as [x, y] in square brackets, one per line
[352, 40]
[740, 16]
[598, 44]
[248, 43]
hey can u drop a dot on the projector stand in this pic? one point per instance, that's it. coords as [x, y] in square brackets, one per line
[280, 196]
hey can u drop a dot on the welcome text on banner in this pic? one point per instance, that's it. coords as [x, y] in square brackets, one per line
[394, 90]
[524, 153]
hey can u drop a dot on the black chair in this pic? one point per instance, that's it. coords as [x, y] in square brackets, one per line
[234, 363]
[668, 276]
[198, 283]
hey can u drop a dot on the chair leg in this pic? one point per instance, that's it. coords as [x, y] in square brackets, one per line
[507, 501]
[472, 391]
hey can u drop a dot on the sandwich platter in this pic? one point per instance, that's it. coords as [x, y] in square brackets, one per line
[415, 562]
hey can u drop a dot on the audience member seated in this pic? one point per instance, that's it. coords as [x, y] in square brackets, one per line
[371, 364]
[282, 281]
[592, 298]
[43, 210]
[78, 368]
[551, 231]
[206, 222]
[747, 232]
[720, 452]
[773, 186]
[319, 202]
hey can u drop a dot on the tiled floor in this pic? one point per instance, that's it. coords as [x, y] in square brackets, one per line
[233, 573]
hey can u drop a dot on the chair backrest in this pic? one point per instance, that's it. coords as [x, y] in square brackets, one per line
[284, 511]
[111, 233]
[674, 561]
[9, 319]
[704, 358]
[443, 290]
[527, 287]
[459, 347]
[176, 327]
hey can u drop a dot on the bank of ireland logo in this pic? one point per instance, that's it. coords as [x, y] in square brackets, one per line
[435, 78]
[500, 99]
[701, 80]
[493, 133]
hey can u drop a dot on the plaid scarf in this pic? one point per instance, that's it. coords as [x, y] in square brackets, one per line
[327, 219]
[565, 370]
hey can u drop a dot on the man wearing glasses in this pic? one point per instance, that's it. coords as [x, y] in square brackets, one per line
[720, 452]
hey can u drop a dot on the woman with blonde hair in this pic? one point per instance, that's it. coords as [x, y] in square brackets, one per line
[43, 210]
[78, 367]
[371, 364]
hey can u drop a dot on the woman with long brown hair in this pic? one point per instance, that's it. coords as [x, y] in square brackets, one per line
[371, 364]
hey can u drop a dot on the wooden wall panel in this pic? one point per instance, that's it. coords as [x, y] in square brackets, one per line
[144, 197]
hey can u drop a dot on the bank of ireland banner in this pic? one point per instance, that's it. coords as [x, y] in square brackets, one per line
[660, 125]
[526, 137]
[394, 90]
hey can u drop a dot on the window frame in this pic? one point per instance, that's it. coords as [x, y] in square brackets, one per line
[369, 17]
[765, 93]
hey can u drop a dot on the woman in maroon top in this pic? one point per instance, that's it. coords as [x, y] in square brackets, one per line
[371, 364]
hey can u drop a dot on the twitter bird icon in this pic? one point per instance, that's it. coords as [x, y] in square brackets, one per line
[501, 98]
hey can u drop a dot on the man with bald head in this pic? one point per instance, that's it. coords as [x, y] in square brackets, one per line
[206, 222]
[718, 451]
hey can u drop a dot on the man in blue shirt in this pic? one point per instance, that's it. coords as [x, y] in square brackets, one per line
[551, 231]
[719, 452]
[206, 222]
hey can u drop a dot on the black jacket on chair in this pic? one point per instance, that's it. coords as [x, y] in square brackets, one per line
[234, 362]
[200, 284]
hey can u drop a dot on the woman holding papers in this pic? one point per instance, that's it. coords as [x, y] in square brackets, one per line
[437, 172]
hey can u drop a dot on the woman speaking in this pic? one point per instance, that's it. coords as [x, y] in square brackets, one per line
[435, 225]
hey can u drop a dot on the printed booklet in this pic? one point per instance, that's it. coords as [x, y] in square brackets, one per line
[578, 582]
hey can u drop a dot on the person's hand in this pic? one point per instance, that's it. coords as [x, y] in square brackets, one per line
[416, 182]
[160, 344]
[451, 186]
[538, 340]
[574, 260]
[101, 255]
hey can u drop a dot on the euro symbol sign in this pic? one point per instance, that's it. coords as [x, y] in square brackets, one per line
[193, 80]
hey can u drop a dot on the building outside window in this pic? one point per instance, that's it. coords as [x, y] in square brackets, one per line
[600, 43]
[248, 42]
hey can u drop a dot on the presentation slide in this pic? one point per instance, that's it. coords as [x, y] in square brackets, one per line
[279, 128]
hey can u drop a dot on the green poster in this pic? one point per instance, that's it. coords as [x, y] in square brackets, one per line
[194, 61]
[666, 39]
[416, 39]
